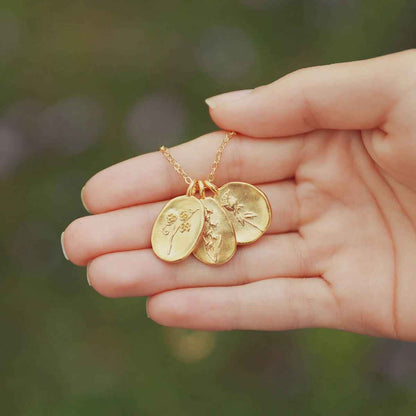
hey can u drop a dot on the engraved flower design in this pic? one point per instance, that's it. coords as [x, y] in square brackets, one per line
[185, 226]
[184, 216]
[212, 240]
[177, 221]
[230, 203]
[171, 218]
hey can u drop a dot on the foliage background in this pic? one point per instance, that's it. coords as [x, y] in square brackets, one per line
[85, 84]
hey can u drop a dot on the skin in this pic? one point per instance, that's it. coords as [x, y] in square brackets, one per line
[334, 148]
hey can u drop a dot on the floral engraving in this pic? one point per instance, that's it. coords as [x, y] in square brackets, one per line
[212, 240]
[230, 203]
[177, 222]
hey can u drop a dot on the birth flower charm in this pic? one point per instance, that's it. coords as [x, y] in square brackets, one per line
[248, 209]
[178, 228]
[209, 227]
[218, 243]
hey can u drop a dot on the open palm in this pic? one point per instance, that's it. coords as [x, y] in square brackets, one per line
[334, 149]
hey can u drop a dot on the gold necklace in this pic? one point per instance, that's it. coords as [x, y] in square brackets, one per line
[210, 227]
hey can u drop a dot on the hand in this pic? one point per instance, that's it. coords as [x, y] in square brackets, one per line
[334, 148]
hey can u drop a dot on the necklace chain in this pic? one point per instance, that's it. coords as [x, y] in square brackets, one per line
[185, 175]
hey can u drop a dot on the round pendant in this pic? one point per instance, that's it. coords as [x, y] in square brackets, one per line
[178, 228]
[218, 243]
[248, 209]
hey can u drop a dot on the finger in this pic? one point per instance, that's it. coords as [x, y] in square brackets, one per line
[275, 304]
[130, 228]
[141, 273]
[150, 178]
[353, 95]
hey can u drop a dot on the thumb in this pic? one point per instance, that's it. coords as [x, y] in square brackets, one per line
[353, 95]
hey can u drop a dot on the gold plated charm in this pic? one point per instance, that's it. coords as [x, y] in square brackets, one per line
[177, 229]
[209, 227]
[248, 209]
[218, 243]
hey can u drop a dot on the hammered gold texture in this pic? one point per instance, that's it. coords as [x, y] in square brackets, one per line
[178, 228]
[248, 209]
[218, 243]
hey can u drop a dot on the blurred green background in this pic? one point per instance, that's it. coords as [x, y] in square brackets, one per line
[86, 84]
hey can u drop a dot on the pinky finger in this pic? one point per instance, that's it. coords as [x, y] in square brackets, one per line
[272, 304]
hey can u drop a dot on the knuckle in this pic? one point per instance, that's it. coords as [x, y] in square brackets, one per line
[410, 54]
[302, 73]
[301, 256]
[241, 268]
[292, 300]
[236, 320]
[407, 61]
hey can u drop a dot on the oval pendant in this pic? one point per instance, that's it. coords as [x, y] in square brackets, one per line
[178, 228]
[248, 209]
[218, 243]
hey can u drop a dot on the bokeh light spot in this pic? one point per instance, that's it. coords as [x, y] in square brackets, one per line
[154, 120]
[226, 53]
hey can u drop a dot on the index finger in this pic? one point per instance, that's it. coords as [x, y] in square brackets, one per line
[150, 178]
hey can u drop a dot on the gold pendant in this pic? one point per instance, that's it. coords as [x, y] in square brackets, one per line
[248, 209]
[218, 243]
[178, 228]
[209, 227]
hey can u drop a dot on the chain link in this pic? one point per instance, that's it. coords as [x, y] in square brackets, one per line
[185, 175]
[176, 165]
[228, 136]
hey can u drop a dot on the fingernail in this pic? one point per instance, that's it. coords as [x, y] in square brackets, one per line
[147, 307]
[62, 245]
[214, 102]
[83, 202]
[88, 277]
